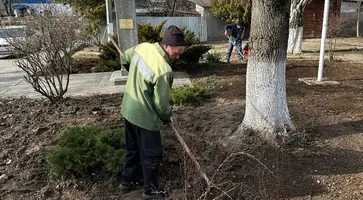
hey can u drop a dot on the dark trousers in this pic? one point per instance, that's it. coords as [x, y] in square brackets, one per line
[143, 156]
[230, 49]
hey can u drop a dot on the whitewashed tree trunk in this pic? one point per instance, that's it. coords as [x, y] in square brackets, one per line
[295, 40]
[359, 4]
[266, 107]
[296, 24]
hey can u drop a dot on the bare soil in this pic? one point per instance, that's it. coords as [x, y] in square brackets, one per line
[324, 160]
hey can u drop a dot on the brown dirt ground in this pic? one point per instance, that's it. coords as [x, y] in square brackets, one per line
[324, 161]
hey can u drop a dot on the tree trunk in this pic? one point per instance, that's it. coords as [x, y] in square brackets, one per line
[296, 24]
[173, 9]
[7, 6]
[266, 107]
[358, 20]
[295, 40]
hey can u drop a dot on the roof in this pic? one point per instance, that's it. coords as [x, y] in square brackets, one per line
[203, 3]
[32, 1]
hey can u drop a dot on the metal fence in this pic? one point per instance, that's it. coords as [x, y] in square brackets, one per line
[191, 23]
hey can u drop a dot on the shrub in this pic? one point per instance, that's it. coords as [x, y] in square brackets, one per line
[110, 57]
[190, 37]
[109, 51]
[193, 51]
[187, 96]
[147, 33]
[214, 57]
[46, 46]
[82, 151]
[192, 54]
[208, 83]
[112, 65]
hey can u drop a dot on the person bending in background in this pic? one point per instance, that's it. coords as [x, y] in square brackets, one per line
[234, 32]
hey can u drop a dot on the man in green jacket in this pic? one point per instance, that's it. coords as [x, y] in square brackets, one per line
[145, 106]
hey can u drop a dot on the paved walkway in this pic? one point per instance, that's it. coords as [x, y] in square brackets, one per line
[12, 83]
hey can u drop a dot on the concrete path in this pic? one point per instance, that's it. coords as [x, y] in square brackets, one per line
[12, 83]
[10, 75]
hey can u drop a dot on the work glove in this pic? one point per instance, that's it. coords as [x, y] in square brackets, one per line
[166, 122]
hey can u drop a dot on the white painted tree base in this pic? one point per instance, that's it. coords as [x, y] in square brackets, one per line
[266, 106]
[295, 40]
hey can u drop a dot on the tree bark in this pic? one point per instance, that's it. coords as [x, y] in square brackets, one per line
[296, 24]
[7, 5]
[359, 2]
[266, 109]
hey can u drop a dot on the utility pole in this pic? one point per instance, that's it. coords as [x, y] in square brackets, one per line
[323, 39]
[126, 23]
[319, 80]
[126, 28]
[109, 12]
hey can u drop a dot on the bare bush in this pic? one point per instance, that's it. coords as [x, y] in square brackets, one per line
[335, 30]
[45, 45]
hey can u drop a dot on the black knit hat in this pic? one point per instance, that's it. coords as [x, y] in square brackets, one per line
[173, 36]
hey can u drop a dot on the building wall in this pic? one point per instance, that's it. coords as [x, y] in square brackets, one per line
[191, 23]
[215, 28]
[350, 24]
[313, 17]
[349, 15]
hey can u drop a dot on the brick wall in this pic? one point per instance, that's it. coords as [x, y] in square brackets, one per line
[313, 17]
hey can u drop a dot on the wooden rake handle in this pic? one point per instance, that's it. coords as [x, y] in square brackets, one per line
[190, 154]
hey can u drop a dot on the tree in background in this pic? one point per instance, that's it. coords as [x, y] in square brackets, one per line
[359, 8]
[266, 111]
[93, 12]
[232, 10]
[166, 8]
[7, 5]
[296, 24]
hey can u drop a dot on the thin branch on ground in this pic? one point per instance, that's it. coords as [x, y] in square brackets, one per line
[225, 193]
[251, 156]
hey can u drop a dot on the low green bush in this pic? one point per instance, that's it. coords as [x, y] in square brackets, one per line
[193, 51]
[110, 57]
[214, 57]
[112, 65]
[149, 33]
[190, 37]
[208, 83]
[81, 151]
[191, 55]
[187, 96]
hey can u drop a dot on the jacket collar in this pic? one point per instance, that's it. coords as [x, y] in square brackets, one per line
[162, 52]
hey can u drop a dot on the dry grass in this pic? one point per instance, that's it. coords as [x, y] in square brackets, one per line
[88, 52]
